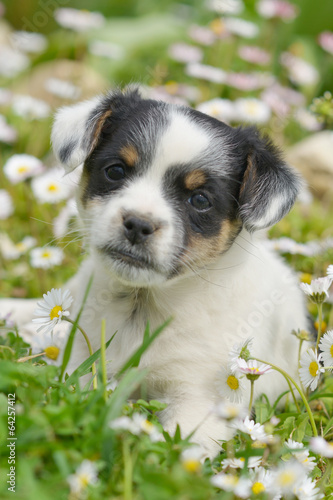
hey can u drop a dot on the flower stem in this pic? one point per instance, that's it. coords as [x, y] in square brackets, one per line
[299, 390]
[86, 338]
[251, 396]
[128, 471]
[320, 320]
[103, 360]
[299, 352]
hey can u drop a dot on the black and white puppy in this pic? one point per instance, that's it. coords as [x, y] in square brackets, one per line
[170, 200]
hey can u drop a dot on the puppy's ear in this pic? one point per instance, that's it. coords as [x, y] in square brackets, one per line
[72, 132]
[269, 187]
[76, 129]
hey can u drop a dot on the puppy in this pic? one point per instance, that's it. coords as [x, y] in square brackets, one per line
[171, 201]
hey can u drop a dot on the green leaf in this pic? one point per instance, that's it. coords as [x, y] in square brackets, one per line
[69, 345]
[85, 366]
[301, 424]
[263, 409]
[122, 392]
[134, 360]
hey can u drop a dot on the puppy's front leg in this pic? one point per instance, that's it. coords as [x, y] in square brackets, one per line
[196, 413]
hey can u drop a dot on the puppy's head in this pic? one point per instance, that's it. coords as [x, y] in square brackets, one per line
[166, 189]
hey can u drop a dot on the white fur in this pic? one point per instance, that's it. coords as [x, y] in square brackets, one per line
[182, 142]
[69, 126]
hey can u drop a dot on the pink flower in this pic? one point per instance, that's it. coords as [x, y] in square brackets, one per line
[202, 35]
[277, 8]
[185, 53]
[325, 40]
[251, 367]
[249, 81]
[253, 54]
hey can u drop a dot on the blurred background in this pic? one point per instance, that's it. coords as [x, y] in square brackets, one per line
[262, 62]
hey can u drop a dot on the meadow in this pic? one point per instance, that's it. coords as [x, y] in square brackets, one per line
[263, 62]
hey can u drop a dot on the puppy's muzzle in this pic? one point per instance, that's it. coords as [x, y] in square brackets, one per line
[138, 230]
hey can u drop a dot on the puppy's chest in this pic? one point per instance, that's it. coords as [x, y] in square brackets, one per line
[127, 314]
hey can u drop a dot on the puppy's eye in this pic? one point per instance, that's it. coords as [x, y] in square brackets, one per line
[200, 202]
[115, 172]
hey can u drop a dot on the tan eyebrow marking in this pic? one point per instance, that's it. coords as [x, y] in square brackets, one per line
[194, 179]
[129, 154]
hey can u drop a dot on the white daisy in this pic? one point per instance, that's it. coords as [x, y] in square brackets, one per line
[51, 187]
[109, 50]
[230, 385]
[12, 61]
[52, 344]
[300, 72]
[8, 134]
[254, 54]
[28, 41]
[205, 72]
[238, 463]
[79, 20]
[276, 8]
[233, 7]
[13, 251]
[310, 369]
[191, 458]
[307, 490]
[52, 309]
[252, 110]
[321, 446]
[318, 289]
[84, 475]
[46, 257]
[30, 108]
[326, 347]
[147, 427]
[62, 88]
[252, 368]
[221, 109]
[262, 482]
[241, 350]
[256, 431]
[241, 27]
[240, 486]
[136, 425]
[288, 476]
[294, 445]
[329, 271]
[229, 411]
[5, 96]
[185, 53]
[21, 167]
[6, 205]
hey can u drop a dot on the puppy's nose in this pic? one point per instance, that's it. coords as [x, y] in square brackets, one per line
[137, 230]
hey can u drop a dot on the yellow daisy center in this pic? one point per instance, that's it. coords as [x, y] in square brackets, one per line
[55, 312]
[22, 169]
[258, 488]
[191, 465]
[46, 254]
[331, 350]
[251, 108]
[84, 480]
[53, 188]
[313, 368]
[52, 352]
[232, 382]
[147, 426]
[286, 478]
